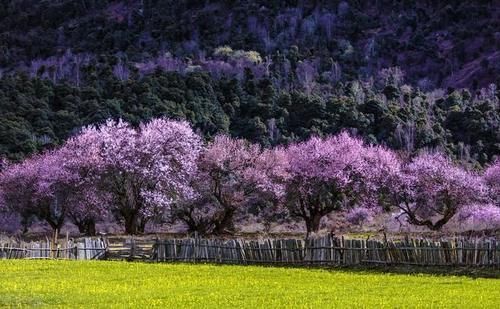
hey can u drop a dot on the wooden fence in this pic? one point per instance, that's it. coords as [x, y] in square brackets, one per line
[130, 248]
[82, 249]
[329, 250]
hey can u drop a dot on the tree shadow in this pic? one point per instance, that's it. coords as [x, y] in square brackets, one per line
[471, 272]
[490, 272]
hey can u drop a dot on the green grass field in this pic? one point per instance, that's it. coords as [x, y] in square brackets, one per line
[122, 284]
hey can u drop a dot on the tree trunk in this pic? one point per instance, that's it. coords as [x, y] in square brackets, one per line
[87, 227]
[56, 227]
[91, 229]
[134, 224]
[26, 223]
[225, 223]
[141, 226]
[186, 215]
[313, 223]
[131, 227]
[81, 228]
[449, 213]
[197, 227]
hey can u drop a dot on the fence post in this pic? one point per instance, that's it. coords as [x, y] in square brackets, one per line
[195, 247]
[155, 249]
[386, 249]
[132, 247]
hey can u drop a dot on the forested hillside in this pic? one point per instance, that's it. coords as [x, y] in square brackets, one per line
[407, 74]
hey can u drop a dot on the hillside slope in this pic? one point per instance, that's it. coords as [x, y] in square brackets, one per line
[272, 72]
[435, 43]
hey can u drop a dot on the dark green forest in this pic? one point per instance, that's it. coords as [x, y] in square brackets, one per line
[410, 75]
[37, 114]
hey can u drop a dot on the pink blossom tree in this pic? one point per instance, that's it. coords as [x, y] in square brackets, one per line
[430, 190]
[231, 174]
[88, 203]
[132, 173]
[359, 215]
[88, 207]
[492, 179]
[16, 189]
[39, 186]
[479, 217]
[143, 171]
[334, 173]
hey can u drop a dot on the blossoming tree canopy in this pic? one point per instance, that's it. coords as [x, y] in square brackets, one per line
[382, 167]
[40, 186]
[492, 179]
[82, 157]
[171, 150]
[484, 216]
[162, 167]
[18, 186]
[431, 189]
[326, 175]
[231, 172]
[141, 171]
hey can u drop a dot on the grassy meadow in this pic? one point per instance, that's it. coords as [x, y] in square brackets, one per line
[99, 284]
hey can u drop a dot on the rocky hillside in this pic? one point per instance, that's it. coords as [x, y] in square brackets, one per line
[435, 43]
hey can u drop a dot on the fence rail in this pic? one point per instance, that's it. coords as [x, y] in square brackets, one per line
[329, 250]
